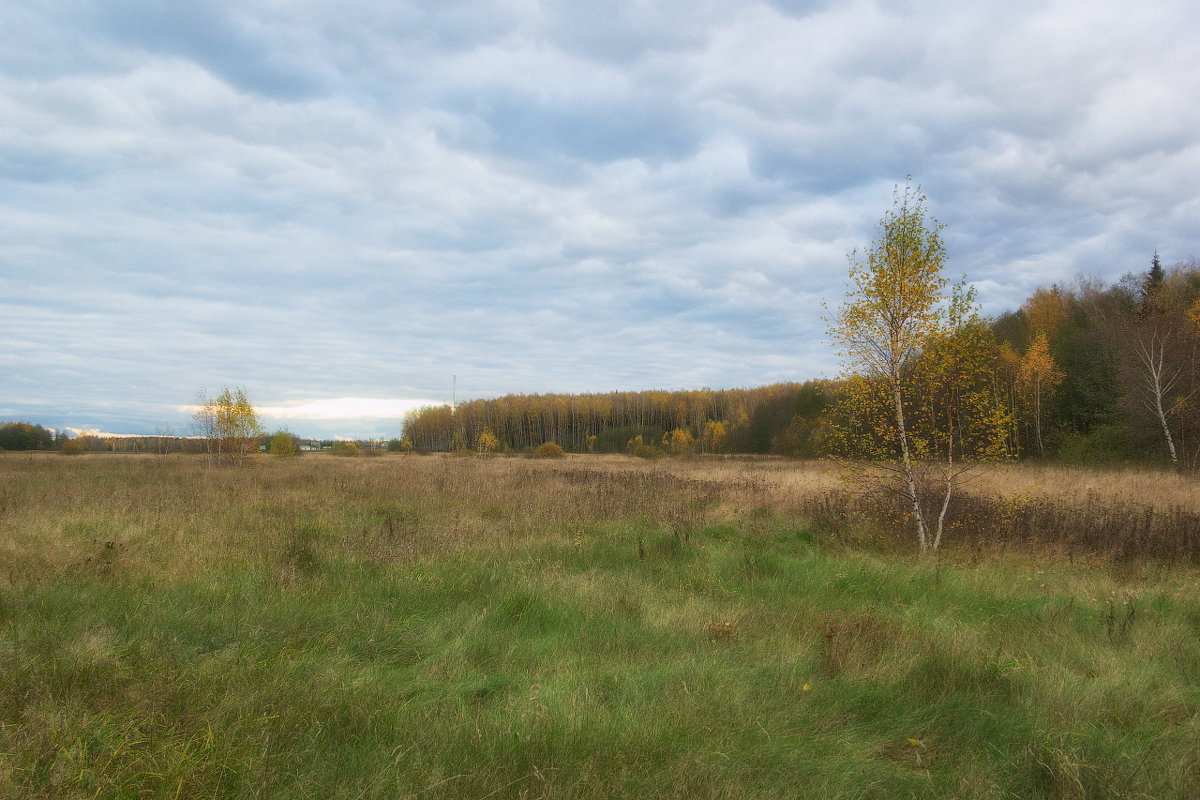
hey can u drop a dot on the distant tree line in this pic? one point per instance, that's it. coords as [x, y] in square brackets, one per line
[1087, 373]
[25, 436]
[18, 436]
[783, 419]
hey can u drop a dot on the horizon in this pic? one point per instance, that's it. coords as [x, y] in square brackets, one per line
[273, 422]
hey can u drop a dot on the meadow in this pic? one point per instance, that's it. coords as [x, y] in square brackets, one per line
[594, 626]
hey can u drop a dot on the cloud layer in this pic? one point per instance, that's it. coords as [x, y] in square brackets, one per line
[360, 202]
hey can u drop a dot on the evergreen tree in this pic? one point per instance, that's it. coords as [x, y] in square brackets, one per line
[1152, 285]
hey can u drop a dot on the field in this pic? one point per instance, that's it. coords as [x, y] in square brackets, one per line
[426, 627]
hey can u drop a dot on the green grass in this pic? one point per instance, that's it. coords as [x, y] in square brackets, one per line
[749, 658]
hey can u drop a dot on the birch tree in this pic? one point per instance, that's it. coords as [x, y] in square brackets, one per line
[1039, 377]
[917, 370]
[1158, 382]
[228, 425]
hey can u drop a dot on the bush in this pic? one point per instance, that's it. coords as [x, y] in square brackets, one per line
[283, 445]
[615, 440]
[1105, 445]
[549, 450]
[344, 449]
[72, 447]
[637, 447]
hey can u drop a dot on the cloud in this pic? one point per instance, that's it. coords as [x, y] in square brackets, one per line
[338, 408]
[363, 202]
[99, 434]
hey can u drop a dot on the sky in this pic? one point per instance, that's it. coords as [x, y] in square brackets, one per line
[353, 209]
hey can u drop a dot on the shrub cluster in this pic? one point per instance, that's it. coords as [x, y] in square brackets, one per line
[641, 449]
[283, 445]
[549, 450]
[1095, 526]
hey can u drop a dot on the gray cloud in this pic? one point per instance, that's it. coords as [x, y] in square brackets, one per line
[318, 204]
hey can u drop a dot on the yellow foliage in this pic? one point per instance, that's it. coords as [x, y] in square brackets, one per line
[1044, 311]
[919, 405]
[549, 450]
[680, 442]
[1039, 376]
[486, 442]
[713, 436]
[894, 298]
[1038, 368]
[349, 449]
[638, 447]
[229, 426]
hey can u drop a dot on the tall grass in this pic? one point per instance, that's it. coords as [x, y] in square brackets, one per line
[438, 627]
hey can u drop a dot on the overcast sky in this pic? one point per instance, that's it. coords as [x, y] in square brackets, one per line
[340, 206]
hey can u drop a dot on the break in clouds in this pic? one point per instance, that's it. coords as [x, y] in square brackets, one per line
[357, 203]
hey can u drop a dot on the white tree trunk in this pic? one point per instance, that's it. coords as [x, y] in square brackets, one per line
[1162, 418]
[913, 495]
[1158, 385]
[1037, 400]
[937, 539]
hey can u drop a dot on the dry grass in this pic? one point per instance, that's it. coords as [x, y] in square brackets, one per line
[1126, 513]
[171, 516]
[1158, 488]
[781, 481]
[161, 516]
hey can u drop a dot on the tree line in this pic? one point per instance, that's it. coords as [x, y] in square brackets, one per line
[779, 419]
[1099, 372]
[26, 436]
[1086, 372]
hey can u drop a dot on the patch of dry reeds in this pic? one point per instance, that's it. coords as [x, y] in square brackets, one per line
[1125, 513]
[1093, 526]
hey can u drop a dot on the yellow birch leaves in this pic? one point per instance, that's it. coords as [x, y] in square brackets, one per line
[920, 404]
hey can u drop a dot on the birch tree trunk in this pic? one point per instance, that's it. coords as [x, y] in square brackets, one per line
[1158, 384]
[913, 495]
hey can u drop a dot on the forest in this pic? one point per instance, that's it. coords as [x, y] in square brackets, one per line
[1088, 373]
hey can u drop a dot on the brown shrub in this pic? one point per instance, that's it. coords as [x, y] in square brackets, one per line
[549, 450]
[1109, 527]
